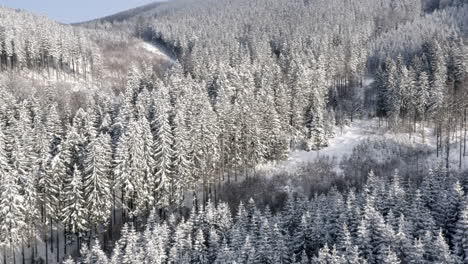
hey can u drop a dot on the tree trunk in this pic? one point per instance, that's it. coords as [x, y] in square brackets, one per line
[409, 128]
[122, 205]
[447, 166]
[34, 251]
[464, 136]
[42, 213]
[23, 260]
[217, 186]
[46, 248]
[422, 130]
[437, 139]
[78, 243]
[110, 231]
[461, 142]
[51, 238]
[90, 235]
[48, 68]
[58, 245]
[113, 208]
[195, 199]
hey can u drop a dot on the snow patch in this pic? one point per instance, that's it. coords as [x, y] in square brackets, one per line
[367, 81]
[154, 50]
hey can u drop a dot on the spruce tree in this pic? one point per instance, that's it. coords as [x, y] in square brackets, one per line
[417, 254]
[74, 211]
[130, 170]
[460, 238]
[97, 194]
[12, 212]
[163, 183]
[441, 250]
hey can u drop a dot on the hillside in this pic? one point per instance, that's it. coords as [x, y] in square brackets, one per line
[236, 131]
[122, 16]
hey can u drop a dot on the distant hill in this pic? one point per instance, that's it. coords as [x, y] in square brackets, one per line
[124, 15]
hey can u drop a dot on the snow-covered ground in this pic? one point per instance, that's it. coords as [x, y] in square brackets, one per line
[359, 131]
[154, 50]
[340, 145]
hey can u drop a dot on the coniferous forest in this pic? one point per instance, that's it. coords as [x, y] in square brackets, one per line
[236, 131]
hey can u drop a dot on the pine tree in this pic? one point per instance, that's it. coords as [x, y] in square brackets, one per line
[402, 240]
[276, 140]
[18, 133]
[391, 257]
[199, 254]
[97, 255]
[280, 248]
[130, 251]
[182, 166]
[74, 212]
[182, 244]
[393, 102]
[129, 170]
[246, 254]
[162, 242]
[213, 244]
[204, 143]
[314, 119]
[80, 138]
[381, 238]
[441, 251]
[225, 254]
[344, 241]
[420, 216]
[163, 155]
[422, 97]
[302, 236]
[431, 193]
[455, 198]
[54, 130]
[417, 254]
[460, 238]
[324, 255]
[12, 211]
[97, 193]
[438, 76]
[31, 205]
[263, 245]
[53, 181]
[145, 198]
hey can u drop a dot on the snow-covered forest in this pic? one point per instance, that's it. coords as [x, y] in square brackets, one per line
[236, 131]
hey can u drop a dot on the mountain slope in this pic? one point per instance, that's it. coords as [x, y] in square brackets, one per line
[124, 15]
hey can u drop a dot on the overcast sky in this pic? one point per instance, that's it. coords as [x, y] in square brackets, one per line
[69, 11]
